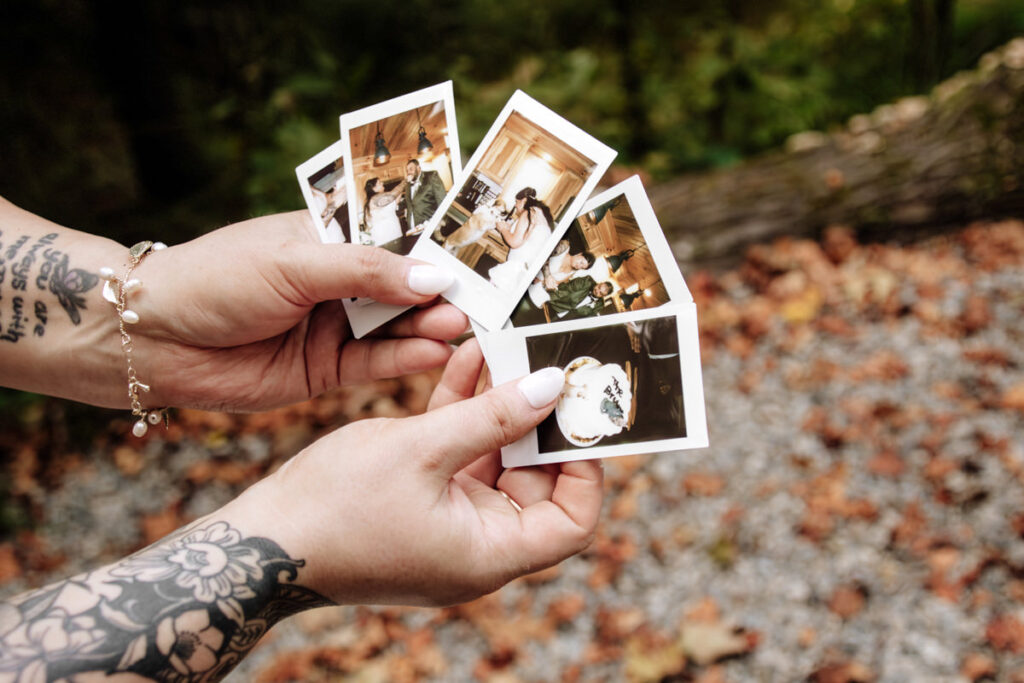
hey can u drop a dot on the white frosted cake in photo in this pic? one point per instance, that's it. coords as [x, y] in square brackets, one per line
[595, 402]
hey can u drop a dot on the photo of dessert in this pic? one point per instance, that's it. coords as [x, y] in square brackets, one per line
[623, 384]
[597, 401]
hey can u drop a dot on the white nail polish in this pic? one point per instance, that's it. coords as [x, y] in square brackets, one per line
[428, 279]
[542, 387]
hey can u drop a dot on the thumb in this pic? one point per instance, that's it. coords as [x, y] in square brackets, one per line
[325, 272]
[454, 436]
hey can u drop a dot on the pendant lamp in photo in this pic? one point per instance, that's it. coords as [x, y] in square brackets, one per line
[425, 145]
[381, 155]
[627, 299]
[615, 261]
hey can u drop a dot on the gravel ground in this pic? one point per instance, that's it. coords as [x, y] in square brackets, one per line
[857, 517]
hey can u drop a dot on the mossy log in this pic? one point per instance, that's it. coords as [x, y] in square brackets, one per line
[919, 164]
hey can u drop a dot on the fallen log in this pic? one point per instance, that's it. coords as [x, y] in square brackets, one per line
[919, 164]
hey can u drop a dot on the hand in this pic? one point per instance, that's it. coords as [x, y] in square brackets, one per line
[249, 317]
[411, 511]
[550, 282]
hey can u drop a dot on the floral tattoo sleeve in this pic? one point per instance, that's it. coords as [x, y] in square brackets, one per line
[187, 608]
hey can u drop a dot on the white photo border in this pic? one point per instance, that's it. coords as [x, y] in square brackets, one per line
[365, 316]
[510, 346]
[303, 171]
[481, 301]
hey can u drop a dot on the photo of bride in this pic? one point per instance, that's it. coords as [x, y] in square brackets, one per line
[322, 183]
[532, 173]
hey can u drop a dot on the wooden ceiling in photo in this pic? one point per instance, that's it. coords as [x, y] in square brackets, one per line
[401, 134]
[617, 232]
[561, 152]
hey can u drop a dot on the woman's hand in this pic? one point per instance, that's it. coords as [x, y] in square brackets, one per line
[248, 317]
[417, 510]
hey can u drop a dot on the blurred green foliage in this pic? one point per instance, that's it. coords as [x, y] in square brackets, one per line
[165, 119]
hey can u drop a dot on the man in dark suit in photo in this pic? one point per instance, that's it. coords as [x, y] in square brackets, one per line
[423, 194]
[580, 297]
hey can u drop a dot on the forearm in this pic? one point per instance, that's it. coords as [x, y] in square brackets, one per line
[509, 234]
[193, 603]
[55, 335]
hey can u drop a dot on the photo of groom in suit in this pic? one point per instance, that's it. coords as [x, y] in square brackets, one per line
[579, 297]
[423, 194]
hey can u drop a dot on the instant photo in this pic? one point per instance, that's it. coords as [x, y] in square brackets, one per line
[613, 259]
[523, 186]
[401, 158]
[632, 385]
[322, 182]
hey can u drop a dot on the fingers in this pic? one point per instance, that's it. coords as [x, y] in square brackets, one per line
[460, 376]
[364, 360]
[529, 485]
[457, 434]
[438, 321]
[322, 272]
[557, 528]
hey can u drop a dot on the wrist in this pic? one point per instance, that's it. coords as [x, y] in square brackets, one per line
[68, 345]
[263, 511]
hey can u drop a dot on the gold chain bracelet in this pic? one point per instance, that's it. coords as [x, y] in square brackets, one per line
[116, 290]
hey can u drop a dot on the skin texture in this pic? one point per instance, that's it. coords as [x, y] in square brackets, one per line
[244, 318]
[410, 511]
[407, 511]
[281, 335]
[430, 486]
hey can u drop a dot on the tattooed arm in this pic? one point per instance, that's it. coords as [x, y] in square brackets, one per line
[413, 511]
[247, 317]
[189, 607]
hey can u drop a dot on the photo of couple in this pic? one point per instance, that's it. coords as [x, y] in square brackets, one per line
[604, 265]
[389, 214]
[402, 167]
[505, 214]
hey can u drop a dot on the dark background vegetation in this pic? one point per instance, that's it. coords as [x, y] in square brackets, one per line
[166, 119]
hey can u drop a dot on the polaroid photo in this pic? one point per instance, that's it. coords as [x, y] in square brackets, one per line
[322, 181]
[632, 385]
[614, 258]
[401, 158]
[522, 187]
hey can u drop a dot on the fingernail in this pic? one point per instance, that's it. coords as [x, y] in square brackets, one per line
[428, 279]
[542, 387]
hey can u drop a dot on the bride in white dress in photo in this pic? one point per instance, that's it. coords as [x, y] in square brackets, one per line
[525, 232]
[380, 212]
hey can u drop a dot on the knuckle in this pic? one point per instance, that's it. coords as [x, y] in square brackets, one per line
[586, 540]
[502, 424]
[372, 268]
[433, 452]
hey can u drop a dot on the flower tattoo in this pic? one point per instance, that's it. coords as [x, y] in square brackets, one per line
[187, 608]
[210, 562]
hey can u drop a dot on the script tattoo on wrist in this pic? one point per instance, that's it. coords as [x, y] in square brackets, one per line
[187, 608]
[34, 268]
